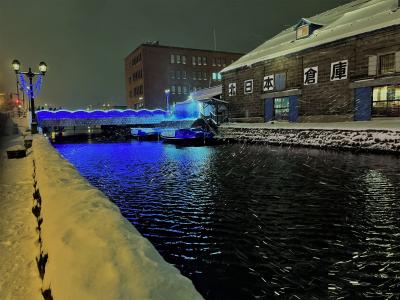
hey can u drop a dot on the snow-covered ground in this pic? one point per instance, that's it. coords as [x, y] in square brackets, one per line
[380, 123]
[374, 136]
[18, 237]
[93, 252]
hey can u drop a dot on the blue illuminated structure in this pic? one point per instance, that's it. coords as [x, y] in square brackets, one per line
[188, 110]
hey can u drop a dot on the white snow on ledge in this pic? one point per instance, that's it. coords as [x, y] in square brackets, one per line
[94, 253]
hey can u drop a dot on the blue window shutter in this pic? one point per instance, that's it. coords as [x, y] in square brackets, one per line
[293, 108]
[363, 104]
[268, 109]
[280, 82]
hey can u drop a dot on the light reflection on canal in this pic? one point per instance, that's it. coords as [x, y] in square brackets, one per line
[248, 221]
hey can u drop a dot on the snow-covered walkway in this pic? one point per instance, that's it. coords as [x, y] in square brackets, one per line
[18, 237]
[91, 251]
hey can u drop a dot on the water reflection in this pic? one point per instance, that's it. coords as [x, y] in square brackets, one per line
[247, 222]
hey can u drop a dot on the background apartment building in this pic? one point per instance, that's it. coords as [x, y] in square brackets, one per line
[152, 68]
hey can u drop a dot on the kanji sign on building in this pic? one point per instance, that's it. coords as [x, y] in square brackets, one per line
[310, 75]
[248, 86]
[339, 70]
[232, 89]
[269, 83]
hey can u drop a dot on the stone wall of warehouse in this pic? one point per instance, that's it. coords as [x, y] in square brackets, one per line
[326, 99]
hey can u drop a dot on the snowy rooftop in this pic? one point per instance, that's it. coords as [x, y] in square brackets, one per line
[348, 20]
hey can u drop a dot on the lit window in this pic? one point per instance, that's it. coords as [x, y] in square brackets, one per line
[281, 108]
[387, 63]
[214, 76]
[172, 58]
[386, 101]
[303, 32]
[204, 61]
[194, 60]
[184, 59]
[178, 59]
[219, 76]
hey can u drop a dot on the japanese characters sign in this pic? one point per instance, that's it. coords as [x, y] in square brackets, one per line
[232, 89]
[248, 86]
[310, 75]
[269, 83]
[339, 70]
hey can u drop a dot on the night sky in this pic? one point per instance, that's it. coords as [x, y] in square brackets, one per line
[84, 42]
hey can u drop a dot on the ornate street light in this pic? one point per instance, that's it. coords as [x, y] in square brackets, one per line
[43, 69]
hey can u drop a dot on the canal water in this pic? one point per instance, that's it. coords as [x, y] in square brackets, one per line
[259, 222]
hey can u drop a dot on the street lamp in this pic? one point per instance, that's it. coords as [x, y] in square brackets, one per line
[43, 69]
[167, 93]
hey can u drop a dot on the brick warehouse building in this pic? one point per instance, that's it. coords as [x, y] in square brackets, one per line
[343, 64]
[152, 68]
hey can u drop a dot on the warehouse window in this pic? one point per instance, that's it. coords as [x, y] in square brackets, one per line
[281, 108]
[387, 63]
[204, 61]
[386, 101]
[178, 59]
[172, 58]
[183, 74]
[303, 32]
[184, 59]
[194, 60]
[199, 60]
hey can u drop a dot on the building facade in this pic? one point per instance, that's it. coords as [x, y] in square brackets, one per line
[340, 65]
[151, 69]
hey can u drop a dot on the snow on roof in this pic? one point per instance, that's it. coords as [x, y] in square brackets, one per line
[207, 93]
[348, 20]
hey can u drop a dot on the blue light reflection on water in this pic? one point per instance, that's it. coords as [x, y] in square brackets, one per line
[251, 221]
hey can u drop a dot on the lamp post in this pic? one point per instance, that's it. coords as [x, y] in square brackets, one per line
[167, 93]
[42, 69]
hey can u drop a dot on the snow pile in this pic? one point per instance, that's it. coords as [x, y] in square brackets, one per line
[93, 252]
[371, 140]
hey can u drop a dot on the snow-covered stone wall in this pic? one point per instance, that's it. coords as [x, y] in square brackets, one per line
[371, 140]
[93, 252]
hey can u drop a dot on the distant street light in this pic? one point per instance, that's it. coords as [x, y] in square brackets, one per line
[167, 93]
[43, 69]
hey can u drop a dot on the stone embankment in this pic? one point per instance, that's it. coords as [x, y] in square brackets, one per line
[359, 140]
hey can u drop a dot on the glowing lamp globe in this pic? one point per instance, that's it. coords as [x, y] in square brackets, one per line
[43, 67]
[16, 65]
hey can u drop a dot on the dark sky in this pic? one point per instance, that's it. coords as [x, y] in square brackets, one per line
[84, 42]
